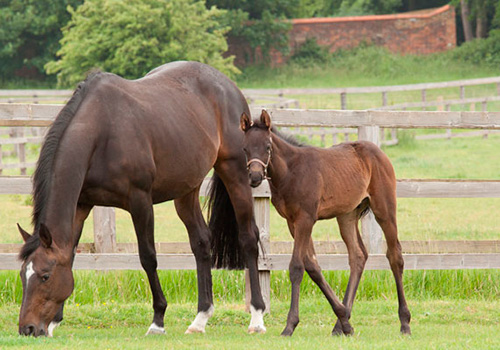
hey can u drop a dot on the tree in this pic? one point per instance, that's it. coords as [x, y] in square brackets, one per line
[29, 35]
[479, 13]
[130, 37]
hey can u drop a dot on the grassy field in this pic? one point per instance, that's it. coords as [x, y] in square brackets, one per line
[447, 324]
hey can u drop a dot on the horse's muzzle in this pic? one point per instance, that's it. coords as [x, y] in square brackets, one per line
[31, 330]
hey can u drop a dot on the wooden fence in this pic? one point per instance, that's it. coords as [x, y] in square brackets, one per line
[105, 254]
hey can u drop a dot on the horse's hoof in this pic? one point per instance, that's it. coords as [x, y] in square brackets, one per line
[194, 330]
[287, 333]
[154, 329]
[257, 329]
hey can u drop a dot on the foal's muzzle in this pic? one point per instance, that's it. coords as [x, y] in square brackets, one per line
[255, 178]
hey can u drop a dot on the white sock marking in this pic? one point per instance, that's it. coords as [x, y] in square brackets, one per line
[155, 329]
[257, 321]
[200, 321]
[29, 272]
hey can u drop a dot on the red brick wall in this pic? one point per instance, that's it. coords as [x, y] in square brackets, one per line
[419, 32]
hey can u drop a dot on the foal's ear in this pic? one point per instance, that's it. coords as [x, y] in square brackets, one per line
[23, 233]
[245, 122]
[45, 236]
[265, 119]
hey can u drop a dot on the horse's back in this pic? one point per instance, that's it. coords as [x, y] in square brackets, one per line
[162, 131]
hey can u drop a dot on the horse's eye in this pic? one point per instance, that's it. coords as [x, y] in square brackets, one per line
[45, 277]
[268, 148]
[245, 150]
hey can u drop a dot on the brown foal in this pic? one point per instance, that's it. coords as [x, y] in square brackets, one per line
[310, 184]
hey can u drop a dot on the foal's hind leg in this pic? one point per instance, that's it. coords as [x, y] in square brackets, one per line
[141, 209]
[235, 179]
[188, 209]
[384, 209]
[358, 255]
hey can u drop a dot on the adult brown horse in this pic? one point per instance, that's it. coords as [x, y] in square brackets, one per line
[309, 184]
[131, 144]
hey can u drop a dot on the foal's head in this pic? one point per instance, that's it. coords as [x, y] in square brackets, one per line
[257, 146]
[47, 281]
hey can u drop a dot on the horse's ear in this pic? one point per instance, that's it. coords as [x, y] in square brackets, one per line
[265, 119]
[245, 122]
[23, 233]
[45, 236]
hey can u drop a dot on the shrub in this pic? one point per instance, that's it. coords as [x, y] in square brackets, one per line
[310, 52]
[130, 37]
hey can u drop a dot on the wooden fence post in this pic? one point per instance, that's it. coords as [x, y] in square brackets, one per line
[261, 211]
[370, 230]
[104, 229]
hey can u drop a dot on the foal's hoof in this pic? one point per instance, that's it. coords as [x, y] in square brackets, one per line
[405, 329]
[194, 330]
[338, 330]
[257, 329]
[154, 329]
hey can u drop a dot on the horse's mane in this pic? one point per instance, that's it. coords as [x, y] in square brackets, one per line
[41, 177]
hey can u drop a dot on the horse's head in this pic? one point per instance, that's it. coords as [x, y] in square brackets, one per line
[258, 146]
[47, 280]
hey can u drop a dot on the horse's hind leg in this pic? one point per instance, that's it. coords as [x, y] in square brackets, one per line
[235, 179]
[358, 255]
[314, 271]
[384, 209]
[188, 209]
[141, 210]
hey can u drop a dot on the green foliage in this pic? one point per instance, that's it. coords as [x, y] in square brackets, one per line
[366, 7]
[131, 37]
[29, 34]
[480, 51]
[310, 52]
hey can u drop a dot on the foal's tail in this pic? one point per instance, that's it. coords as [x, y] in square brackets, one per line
[225, 247]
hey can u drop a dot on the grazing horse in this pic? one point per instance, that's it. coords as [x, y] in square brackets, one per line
[310, 184]
[132, 144]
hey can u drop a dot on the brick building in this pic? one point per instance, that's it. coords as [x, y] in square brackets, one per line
[417, 32]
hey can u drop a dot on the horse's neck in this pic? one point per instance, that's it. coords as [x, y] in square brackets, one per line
[65, 186]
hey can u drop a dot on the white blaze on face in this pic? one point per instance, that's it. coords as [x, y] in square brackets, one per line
[29, 272]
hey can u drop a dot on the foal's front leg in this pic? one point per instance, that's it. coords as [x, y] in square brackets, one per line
[301, 230]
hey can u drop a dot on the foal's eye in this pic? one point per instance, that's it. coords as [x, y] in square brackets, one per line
[268, 148]
[245, 150]
[45, 277]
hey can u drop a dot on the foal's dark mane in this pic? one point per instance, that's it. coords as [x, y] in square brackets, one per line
[41, 177]
[285, 137]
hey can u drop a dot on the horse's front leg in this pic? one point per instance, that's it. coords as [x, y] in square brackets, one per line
[189, 211]
[141, 209]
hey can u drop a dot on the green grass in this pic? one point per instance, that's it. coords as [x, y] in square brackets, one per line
[228, 286]
[446, 324]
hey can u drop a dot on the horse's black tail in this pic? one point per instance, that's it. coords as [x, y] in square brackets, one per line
[225, 247]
